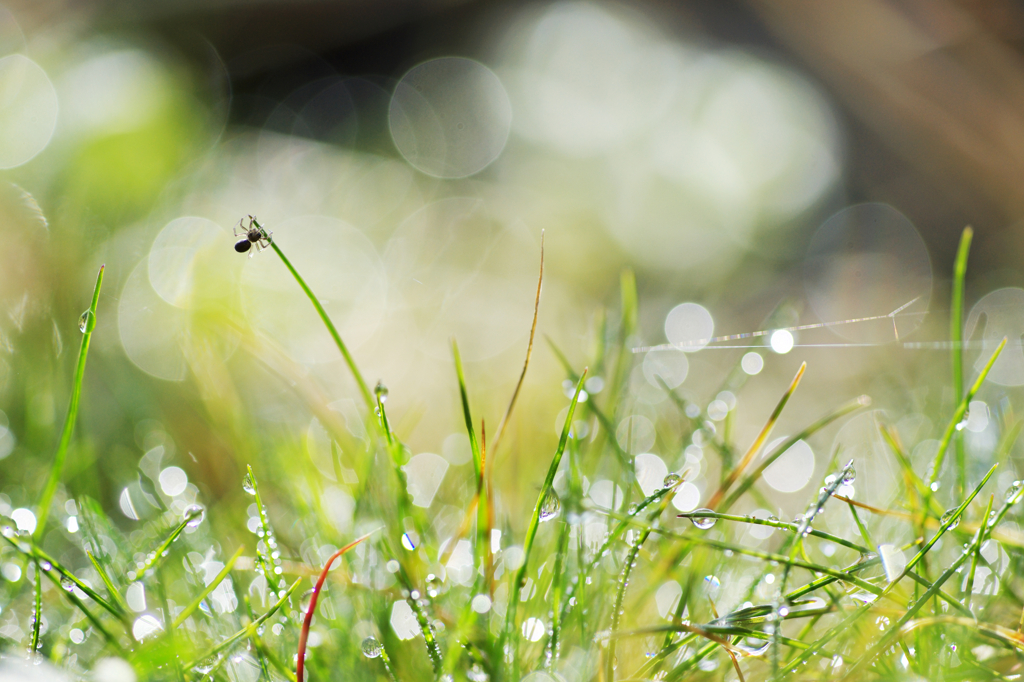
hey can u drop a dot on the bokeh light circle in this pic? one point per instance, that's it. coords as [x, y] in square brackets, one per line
[868, 260]
[28, 110]
[998, 315]
[792, 470]
[689, 326]
[450, 117]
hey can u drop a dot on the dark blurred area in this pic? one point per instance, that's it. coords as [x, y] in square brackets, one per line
[931, 92]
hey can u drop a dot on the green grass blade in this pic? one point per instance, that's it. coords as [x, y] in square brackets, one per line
[474, 442]
[349, 360]
[753, 476]
[210, 587]
[37, 610]
[50, 489]
[761, 439]
[249, 629]
[156, 557]
[115, 596]
[511, 632]
[958, 416]
[956, 330]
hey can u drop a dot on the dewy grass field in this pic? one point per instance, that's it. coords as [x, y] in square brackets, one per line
[590, 587]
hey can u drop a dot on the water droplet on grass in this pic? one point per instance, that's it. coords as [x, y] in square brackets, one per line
[703, 522]
[194, 515]
[67, 583]
[381, 391]
[949, 515]
[371, 647]
[87, 322]
[550, 506]
[850, 476]
[249, 485]
[671, 480]
[1013, 489]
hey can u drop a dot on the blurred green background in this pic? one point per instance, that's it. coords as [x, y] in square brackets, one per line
[408, 156]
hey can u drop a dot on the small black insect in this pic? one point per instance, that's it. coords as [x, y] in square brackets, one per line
[253, 234]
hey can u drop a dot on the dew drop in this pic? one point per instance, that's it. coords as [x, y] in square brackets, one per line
[671, 480]
[371, 647]
[87, 322]
[249, 485]
[550, 506]
[703, 522]
[45, 565]
[381, 391]
[849, 476]
[67, 583]
[1013, 489]
[194, 515]
[949, 515]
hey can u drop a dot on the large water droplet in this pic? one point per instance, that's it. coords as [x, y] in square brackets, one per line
[371, 647]
[249, 485]
[67, 583]
[550, 506]
[381, 391]
[671, 480]
[703, 522]
[947, 516]
[850, 475]
[87, 322]
[1013, 489]
[194, 515]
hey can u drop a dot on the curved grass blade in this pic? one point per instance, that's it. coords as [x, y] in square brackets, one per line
[308, 620]
[510, 637]
[349, 360]
[529, 351]
[46, 498]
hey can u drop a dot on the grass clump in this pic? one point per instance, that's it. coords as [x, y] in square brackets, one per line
[569, 585]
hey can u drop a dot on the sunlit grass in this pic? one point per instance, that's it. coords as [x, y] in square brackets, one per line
[563, 584]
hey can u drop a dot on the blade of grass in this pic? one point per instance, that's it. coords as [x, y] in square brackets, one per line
[856, 615]
[755, 447]
[249, 629]
[969, 586]
[958, 415]
[364, 390]
[160, 553]
[210, 587]
[311, 609]
[115, 596]
[46, 498]
[989, 522]
[751, 478]
[956, 330]
[620, 593]
[37, 610]
[529, 351]
[510, 636]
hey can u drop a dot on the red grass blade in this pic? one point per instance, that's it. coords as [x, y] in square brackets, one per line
[304, 634]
